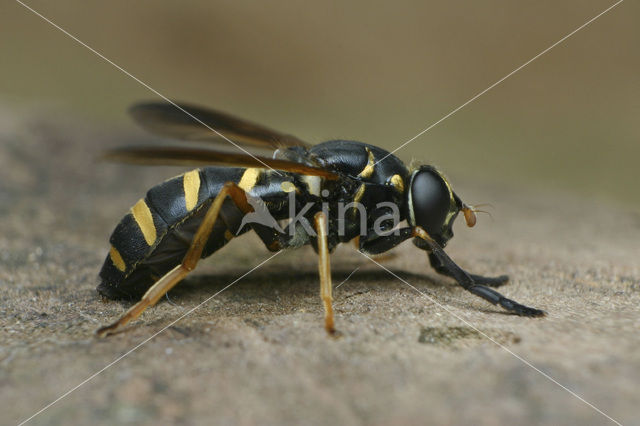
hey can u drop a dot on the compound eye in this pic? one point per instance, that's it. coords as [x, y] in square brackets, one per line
[431, 201]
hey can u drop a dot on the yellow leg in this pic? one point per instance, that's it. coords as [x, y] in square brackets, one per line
[356, 242]
[173, 277]
[324, 267]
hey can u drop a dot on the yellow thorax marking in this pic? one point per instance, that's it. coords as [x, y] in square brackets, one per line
[249, 179]
[397, 182]
[370, 167]
[228, 235]
[142, 216]
[359, 194]
[287, 186]
[191, 184]
[314, 184]
[117, 259]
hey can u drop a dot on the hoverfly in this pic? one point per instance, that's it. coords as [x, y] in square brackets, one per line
[191, 216]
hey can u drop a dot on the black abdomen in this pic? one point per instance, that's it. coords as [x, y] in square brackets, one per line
[155, 235]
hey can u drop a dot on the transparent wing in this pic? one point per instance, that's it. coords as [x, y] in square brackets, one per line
[190, 122]
[186, 156]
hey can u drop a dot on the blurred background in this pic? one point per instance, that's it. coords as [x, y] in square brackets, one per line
[379, 73]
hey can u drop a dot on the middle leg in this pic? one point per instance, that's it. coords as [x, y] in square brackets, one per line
[324, 268]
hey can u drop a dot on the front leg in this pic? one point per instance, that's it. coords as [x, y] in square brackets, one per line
[466, 281]
[373, 243]
[443, 269]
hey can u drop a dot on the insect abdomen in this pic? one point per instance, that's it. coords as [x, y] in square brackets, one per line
[155, 234]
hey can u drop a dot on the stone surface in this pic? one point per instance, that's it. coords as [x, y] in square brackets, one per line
[257, 352]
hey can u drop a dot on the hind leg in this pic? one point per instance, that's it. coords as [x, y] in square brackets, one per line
[173, 277]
